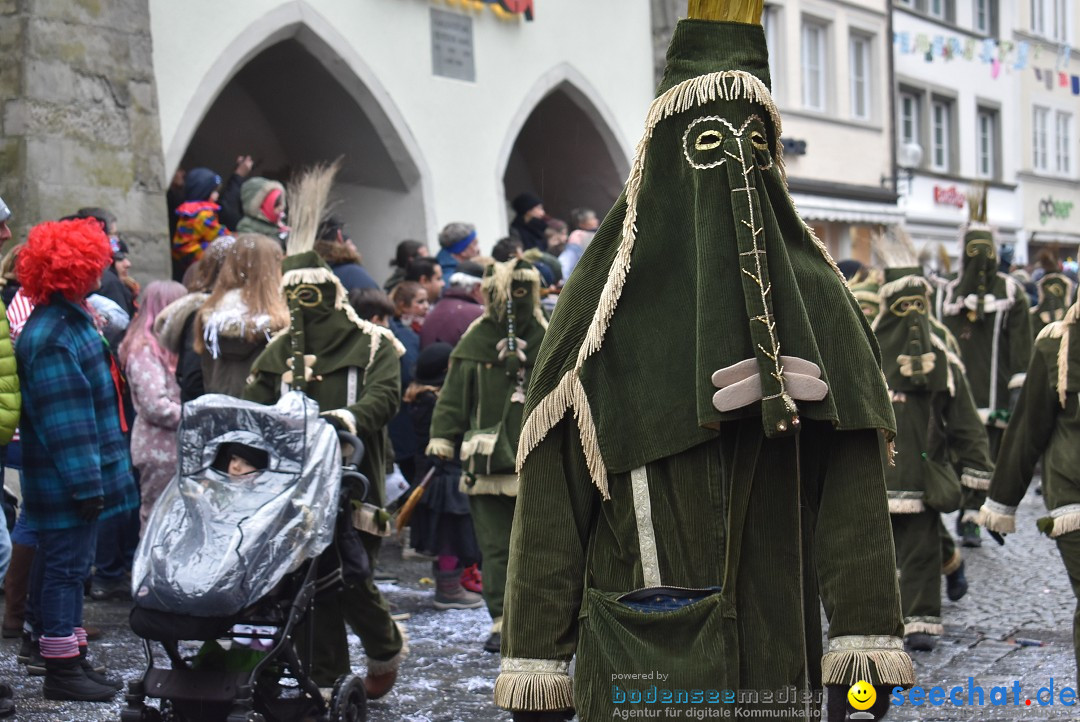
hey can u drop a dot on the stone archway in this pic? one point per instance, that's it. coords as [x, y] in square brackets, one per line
[296, 100]
[565, 149]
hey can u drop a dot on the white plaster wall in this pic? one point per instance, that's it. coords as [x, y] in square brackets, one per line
[457, 134]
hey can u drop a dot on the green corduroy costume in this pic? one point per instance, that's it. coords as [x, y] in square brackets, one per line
[638, 473]
[1055, 296]
[480, 410]
[934, 422]
[1046, 425]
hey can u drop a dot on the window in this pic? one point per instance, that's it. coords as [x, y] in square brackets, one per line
[860, 77]
[770, 21]
[814, 38]
[1060, 29]
[1063, 135]
[986, 122]
[909, 118]
[1040, 155]
[1038, 17]
[1050, 18]
[985, 20]
[936, 8]
[940, 130]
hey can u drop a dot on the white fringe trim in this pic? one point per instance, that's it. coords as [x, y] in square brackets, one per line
[317, 276]
[875, 659]
[442, 448]
[569, 393]
[903, 283]
[1066, 520]
[534, 685]
[482, 444]
[975, 479]
[490, 485]
[926, 625]
[376, 667]
[997, 517]
[906, 506]
[345, 416]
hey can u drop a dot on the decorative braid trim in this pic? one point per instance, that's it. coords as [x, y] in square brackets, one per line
[953, 563]
[316, 276]
[875, 659]
[1066, 519]
[975, 479]
[375, 666]
[995, 516]
[906, 502]
[926, 625]
[535, 685]
[726, 85]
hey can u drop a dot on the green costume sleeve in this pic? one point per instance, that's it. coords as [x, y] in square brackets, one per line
[1019, 327]
[1025, 440]
[450, 420]
[381, 396]
[264, 388]
[853, 514]
[967, 442]
[555, 505]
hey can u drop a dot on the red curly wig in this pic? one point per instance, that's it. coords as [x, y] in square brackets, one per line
[64, 257]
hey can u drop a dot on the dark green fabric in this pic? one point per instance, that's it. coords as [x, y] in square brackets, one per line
[1069, 547]
[493, 516]
[948, 544]
[1055, 297]
[978, 265]
[903, 328]
[918, 557]
[685, 298]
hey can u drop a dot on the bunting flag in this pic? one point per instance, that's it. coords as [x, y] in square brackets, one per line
[999, 55]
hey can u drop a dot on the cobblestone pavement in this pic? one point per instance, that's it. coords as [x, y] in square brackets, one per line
[1017, 591]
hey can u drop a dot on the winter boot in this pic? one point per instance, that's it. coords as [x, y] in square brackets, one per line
[16, 584]
[472, 579]
[969, 534]
[493, 643]
[956, 584]
[97, 674]
[30, 655]
[920, 642]
[65, 679]
[450, 594]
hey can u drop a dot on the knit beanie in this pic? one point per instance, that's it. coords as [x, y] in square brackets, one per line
[199, 183]
[432, 364]
[525, 202]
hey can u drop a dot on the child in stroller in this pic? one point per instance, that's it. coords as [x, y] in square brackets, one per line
[233, 556]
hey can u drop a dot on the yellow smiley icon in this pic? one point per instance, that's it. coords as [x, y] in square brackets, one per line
[861, 695]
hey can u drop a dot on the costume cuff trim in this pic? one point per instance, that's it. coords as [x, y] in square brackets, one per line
[483, 444]
[926, 625]
[344, 416]
[995, 516]
[953, 563]
[1064, 519]
[877, 659]
[975, 479]
[535, 685]
[442, 448]
[490, 485]
[906, 502]
[375, 666]
[1017, 380]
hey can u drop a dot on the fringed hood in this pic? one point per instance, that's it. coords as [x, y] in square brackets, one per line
[1064, 330]
[1055, 297]
[230, 318]
[169, 324]
[913, 357]
[702, 264]
[512, 326]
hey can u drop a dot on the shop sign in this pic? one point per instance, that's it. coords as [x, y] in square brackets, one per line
[1049, 208]
[505, 9]
[950, 196]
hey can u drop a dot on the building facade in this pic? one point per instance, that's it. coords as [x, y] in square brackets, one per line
[1049, 93]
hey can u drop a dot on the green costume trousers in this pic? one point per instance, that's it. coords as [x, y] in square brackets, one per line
[918, 557]
[1069, 546]
[366, 610]
[948, 544]
[493, 517]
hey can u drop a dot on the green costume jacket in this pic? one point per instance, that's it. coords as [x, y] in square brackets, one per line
[638, 476]
[1046, 424]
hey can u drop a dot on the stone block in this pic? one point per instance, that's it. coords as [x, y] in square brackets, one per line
[45, 159]
[123, 15]
[15, 118]
[98, 50]
[9, 7]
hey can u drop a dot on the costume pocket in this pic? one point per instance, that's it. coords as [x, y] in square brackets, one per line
[943, 490]
[654, 648]
[488, 451]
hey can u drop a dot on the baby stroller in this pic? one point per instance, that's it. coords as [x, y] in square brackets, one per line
[235, 561]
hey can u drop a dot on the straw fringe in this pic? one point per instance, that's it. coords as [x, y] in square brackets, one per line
[881, 666]
[534, 691]
[307, 203]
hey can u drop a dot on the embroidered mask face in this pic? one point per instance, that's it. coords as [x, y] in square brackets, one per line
[909, 357]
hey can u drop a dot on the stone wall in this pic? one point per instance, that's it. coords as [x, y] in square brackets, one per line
[79, 120]
[665, 13]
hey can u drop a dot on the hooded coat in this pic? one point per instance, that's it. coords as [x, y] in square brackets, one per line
[252, 194]
[640, 481]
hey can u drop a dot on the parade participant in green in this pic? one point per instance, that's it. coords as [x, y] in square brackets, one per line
[1046, 425]
[701, 446]
[480, 409]
[987, 312]
[1055, 296]
[923, 378]
[350, 367]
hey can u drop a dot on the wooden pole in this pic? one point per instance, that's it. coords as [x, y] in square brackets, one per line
[738, 11]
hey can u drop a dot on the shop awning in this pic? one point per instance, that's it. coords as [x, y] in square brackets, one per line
[845, 210]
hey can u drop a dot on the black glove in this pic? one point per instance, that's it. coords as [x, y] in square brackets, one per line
[838, 709]
[90, 509]
[556, 716]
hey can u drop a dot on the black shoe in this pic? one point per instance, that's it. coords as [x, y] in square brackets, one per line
[956, 584]
[97, 674]
[105, 589]
[30, 655]
[7, 707]
[493, 643]
[65, 679]
[969, 531]
[920, 642]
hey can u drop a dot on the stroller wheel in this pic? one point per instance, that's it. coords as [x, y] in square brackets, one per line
[349, 701]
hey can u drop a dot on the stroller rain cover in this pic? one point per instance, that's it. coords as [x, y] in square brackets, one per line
[213, 544]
